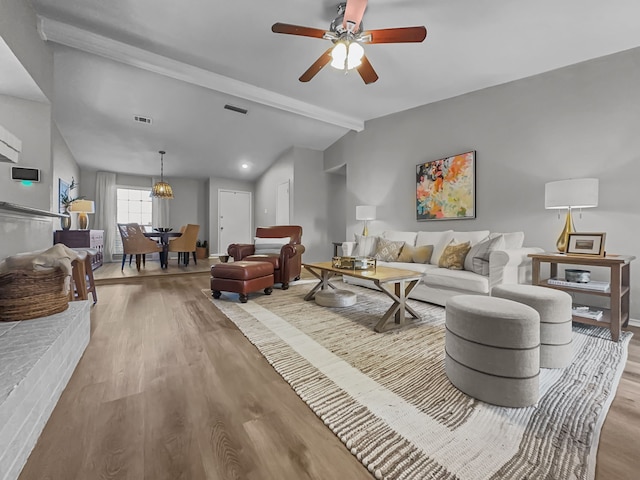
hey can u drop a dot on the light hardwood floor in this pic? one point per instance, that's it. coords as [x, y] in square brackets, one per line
[168, 388]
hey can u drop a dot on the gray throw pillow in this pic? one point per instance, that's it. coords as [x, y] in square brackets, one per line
[477, 259]
[366, 246]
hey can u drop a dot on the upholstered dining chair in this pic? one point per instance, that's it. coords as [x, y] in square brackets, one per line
[135, 243]
[279, 245]
[186, 243]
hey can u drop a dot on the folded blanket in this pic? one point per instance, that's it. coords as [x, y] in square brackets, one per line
[58, 256]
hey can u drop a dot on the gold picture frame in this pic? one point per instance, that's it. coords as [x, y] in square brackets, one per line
[586, 244]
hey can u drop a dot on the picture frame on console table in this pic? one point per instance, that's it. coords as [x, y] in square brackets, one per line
[446, 188]
[586, 244]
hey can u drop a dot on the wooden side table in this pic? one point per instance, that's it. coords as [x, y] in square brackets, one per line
[617, 315]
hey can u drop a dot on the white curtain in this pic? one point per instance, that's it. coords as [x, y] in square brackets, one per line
[159, 209]
[105, 218]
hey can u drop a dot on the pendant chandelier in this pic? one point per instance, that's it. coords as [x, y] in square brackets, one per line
[162, 189]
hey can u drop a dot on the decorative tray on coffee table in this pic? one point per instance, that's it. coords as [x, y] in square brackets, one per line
[354, 263]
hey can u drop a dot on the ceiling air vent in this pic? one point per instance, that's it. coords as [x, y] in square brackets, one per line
[142, 119]
[233, 108]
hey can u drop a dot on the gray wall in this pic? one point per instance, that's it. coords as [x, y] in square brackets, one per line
[64, 167]
[18, 29]
[313, 194]
[578, 121]
[266, 190]
[31, 123]
[311, 191]
[216, 184]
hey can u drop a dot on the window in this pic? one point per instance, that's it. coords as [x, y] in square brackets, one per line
[133, 206]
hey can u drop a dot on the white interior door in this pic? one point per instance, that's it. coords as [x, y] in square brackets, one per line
[282, 204]
[234, 218]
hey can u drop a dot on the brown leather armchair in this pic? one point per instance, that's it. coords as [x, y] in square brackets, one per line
[287, 264]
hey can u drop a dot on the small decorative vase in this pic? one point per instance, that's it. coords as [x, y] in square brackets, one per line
[65, 222]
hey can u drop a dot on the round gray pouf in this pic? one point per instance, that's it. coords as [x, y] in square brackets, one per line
[492, 349]
[554, 308]
[335, 298]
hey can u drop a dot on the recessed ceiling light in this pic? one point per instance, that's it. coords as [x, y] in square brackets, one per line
[245, 165]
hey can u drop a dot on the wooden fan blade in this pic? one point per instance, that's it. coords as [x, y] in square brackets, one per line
[366, 71]
[397, 35]
[353, 13]
[317, 66]
[297, 30]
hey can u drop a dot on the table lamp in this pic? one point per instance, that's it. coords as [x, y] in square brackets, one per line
[83, 207]
[573, 193]
[366, 213]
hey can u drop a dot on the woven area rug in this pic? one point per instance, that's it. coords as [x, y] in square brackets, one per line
[387, 398]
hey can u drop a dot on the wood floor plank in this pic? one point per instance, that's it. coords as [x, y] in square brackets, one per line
[169, 388]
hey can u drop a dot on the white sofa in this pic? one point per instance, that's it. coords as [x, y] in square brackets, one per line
[508, 263]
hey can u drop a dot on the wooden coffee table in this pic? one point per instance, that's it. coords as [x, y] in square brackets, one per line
[396, 283]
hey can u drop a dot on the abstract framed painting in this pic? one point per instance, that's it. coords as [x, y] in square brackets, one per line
[446, 188]
[63, 190]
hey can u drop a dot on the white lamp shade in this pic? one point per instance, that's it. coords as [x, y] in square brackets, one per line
[365, 212]
[85, 206]
[574, 193]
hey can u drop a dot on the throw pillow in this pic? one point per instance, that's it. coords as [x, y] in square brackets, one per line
[422, 254]
[266, 246]
[388, 251]
[411, 254]
[406, 254]
[477, 260]
[366, 246]
[454, 255]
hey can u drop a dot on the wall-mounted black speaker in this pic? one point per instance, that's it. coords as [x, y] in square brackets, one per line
[22, 173]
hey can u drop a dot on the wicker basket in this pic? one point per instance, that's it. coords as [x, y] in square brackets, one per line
[27, 294]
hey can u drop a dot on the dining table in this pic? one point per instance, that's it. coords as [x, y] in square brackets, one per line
[164, 235]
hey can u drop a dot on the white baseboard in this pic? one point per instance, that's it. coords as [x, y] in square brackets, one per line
[634, 323]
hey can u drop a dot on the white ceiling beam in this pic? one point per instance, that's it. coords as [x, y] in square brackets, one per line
[65, 34]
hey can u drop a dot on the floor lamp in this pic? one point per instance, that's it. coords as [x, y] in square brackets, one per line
[569, 194]
[365, 213]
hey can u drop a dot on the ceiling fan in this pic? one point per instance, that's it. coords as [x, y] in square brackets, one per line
[347, 34]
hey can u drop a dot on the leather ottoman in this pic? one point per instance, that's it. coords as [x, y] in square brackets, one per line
[241, 278]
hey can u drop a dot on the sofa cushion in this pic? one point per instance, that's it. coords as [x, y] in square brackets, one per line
[266, 246]
[478, 257]
[410, 254]
[414, 267]
[456, 280]
[471, 237]
[387, 250]
[512, 240]
[397, 236]
[366, 246]
[439, 244]
[454, 255]
[431, 238]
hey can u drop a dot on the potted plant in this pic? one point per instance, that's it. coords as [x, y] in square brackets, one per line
[201, 250]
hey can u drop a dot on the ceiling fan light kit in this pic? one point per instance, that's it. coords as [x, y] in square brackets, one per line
[347, 35]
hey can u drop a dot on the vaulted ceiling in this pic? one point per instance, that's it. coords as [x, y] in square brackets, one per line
[180, 63]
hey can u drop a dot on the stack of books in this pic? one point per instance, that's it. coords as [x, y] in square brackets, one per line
[592, 285]
[586, 312]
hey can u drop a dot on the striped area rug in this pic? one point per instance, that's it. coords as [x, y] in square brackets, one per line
[388, 399]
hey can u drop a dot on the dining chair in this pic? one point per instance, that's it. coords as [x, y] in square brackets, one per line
[135, 243]
[186, 243]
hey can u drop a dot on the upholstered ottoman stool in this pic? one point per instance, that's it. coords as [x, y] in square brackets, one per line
[554, 308]
[241, 278]
[492, 348]
[335, 298]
